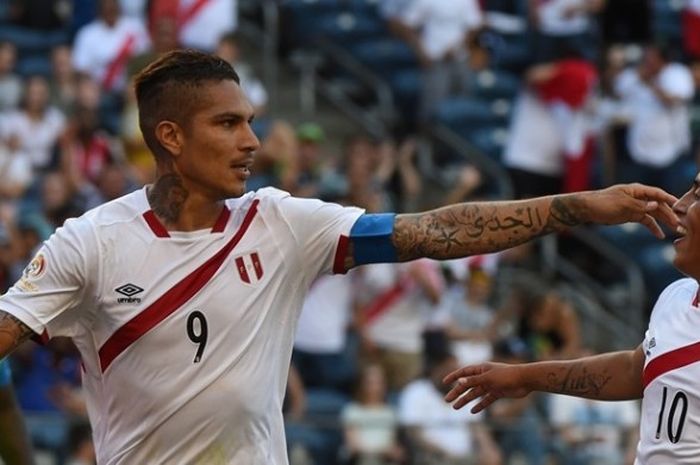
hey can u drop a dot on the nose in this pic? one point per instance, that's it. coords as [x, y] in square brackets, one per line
[249, 142]
[682, 204]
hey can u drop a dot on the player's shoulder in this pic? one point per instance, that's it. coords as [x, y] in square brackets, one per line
[680, 292]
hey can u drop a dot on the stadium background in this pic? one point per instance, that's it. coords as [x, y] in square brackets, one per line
[338, 88]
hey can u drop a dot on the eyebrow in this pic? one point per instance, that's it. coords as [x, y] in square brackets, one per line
[233, 115]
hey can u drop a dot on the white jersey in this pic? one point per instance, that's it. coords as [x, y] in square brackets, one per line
[670, 426]
[186, 338]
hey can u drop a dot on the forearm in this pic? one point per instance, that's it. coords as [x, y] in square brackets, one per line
[612, 376]
[14, 442]
[12, 333]
[482, 227]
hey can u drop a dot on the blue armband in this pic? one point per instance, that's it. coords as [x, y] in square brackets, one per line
[5, 378]
[371, 239]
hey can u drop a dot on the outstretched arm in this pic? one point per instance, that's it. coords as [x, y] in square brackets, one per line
[12, 333]
[482, 227]
[610, 376]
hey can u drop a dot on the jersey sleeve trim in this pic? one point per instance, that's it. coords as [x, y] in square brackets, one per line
[172, 300]
[340, 253]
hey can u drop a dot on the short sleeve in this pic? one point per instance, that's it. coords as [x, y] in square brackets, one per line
[322, 231]
[81, 52]
[411, 412]
[49, 296]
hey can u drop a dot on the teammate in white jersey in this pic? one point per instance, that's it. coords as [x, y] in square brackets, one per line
[183, 297]
[663, 370]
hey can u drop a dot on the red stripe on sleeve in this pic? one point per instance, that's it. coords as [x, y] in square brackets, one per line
[340, 253]
[155, 225]
[172, 300]
[670, 361]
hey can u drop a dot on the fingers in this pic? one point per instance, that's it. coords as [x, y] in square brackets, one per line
[653, 193]
[462, 373]
[472, 394]
[653, 226]
[460, 387]
[485, 401]
[665, 214]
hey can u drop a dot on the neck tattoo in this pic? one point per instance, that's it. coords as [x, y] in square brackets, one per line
[167, 197]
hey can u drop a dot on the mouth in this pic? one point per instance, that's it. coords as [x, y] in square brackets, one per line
[243, 168]
[682, 233]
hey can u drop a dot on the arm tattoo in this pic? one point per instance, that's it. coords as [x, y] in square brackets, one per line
[12, 332]
[578, 381]
[167, 196]
[475, 228]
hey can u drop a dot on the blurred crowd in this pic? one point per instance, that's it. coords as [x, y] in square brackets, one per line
[599, 101]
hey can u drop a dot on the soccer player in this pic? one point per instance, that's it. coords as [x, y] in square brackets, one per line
[663, 371]
[14, 442]
[183, 297]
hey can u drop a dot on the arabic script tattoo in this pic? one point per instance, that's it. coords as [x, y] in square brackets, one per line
[475, 228]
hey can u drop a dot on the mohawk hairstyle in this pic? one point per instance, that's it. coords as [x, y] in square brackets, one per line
[164, 89]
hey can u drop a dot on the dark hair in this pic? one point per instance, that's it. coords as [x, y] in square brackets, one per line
[164, 89]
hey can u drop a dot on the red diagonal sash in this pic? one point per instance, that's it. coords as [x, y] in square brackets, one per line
[116, 67]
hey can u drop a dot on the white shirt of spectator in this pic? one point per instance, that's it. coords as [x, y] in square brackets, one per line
[554, 21]
[15, 167]
[324, 317]
[37, 138]
[670, 425]
[693, 5]
[444, 24]
[375, 426]
[535, 144]
[400, 326]
[155, 402]
[606, 432]
[97, 46]
[422, 405]
[212, 21]
[658, 134]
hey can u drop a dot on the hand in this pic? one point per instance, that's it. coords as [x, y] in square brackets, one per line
[490, 381]
[632, 202]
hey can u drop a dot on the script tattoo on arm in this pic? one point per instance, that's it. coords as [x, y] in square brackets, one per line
[167, 196]
[578, 381]
[12, 333]
[475, 228]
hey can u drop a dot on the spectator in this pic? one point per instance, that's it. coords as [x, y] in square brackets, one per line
[42, 15]
[228, 48]
[64, 79]
[81, 450]
[370, 425]
[10, 83]
[594, 432]
[36, 126]
[438, 434]
[441, 33]
[163, 34]
[691, 29]
[103, 47]
[563, 25]
[321, 344]
[655, 98]
[550, 327]
[402, 298]
[517, 426]
[15, 172]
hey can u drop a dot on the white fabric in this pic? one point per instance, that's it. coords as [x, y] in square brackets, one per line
[693, 5]
[97, 45]
[658, 134]
[674, 324]
[214, 20]
[375, 426]
[37, 138]
[444, 24]
[15, 167]
[422, 405]
[400, 326]
[554, 20]
[153, 404]
[535, 144]
[324, 316]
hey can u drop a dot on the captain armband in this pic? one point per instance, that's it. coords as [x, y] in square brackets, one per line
[371, 239]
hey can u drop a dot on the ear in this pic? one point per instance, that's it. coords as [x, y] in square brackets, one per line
[170, 137]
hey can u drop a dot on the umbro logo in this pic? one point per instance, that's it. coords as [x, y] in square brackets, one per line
[129, 291]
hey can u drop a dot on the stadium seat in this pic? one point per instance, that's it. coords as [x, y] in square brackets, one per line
[384, 55]
[34, 65]
[346, 27]
[656, 262]
[491, 141]
[31, 42]
[465, 114]
[629, 238]
[490, 84]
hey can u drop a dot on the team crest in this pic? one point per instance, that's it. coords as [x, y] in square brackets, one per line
[36, 268]
[249, 267]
